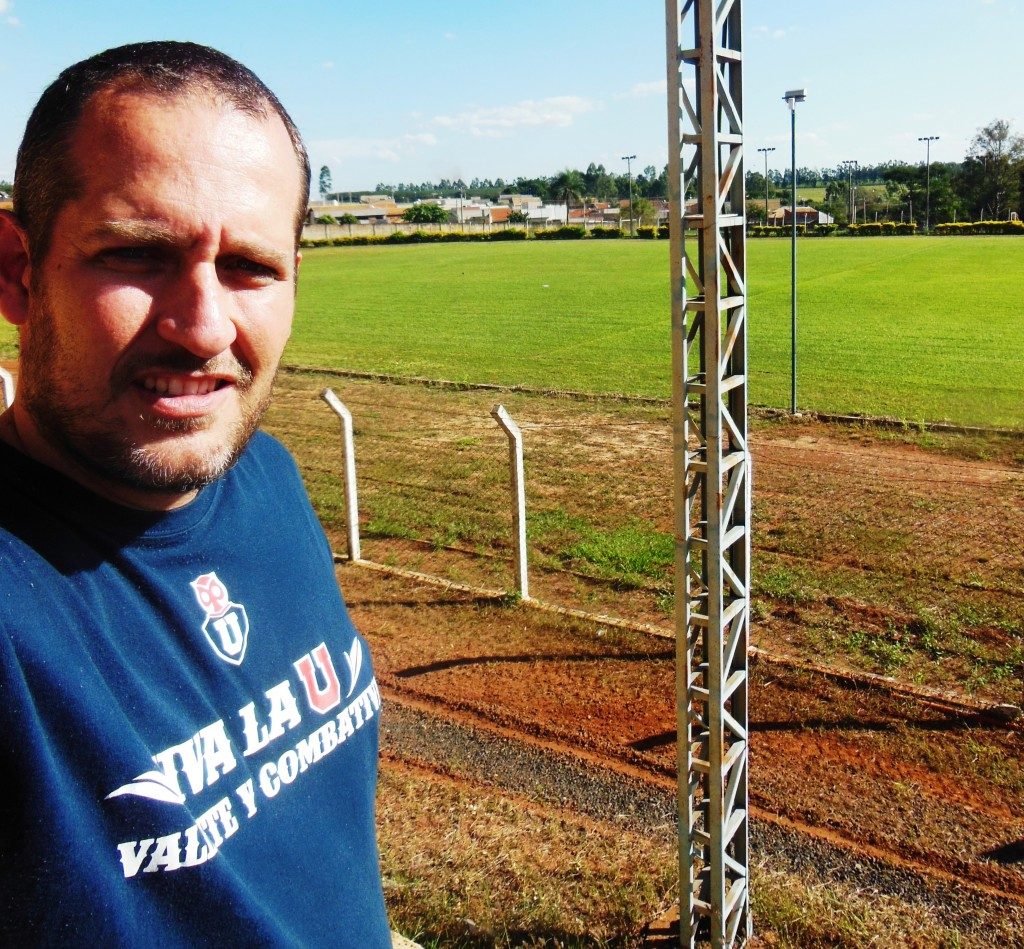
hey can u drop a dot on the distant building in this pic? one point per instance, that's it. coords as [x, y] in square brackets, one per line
[520, 202]
[804, 215]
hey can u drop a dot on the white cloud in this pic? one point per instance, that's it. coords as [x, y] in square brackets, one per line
[380, 149]
[641, 90]
[498, 121]
[5, 5]
[5, 11]
[775, 34]
[449, 36]
[329, 65]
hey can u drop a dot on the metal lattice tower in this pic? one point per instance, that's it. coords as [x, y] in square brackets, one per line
[712, 464]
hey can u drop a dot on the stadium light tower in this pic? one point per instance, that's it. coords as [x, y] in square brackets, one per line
[629, 174]
[766, 151]
[852, 166]
[792, 97]
[928, 139]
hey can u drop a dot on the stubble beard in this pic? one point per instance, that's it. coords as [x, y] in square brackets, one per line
[158, 466]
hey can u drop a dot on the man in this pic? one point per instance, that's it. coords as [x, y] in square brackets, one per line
[188, 720]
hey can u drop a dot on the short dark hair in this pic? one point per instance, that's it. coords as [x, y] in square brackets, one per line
[45, 177]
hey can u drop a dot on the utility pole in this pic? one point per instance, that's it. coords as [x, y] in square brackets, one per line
[766, 151]
[792, 97]
[629, 174]
[928, 139]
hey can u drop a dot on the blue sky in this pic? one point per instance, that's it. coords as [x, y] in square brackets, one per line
[407, 90]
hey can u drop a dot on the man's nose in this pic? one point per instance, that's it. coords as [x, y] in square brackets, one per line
[196, 314]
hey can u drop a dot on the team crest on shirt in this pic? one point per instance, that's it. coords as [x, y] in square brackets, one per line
[226, 626]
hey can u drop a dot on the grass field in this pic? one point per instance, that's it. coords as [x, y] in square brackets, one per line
[914, 328]
[921, 329]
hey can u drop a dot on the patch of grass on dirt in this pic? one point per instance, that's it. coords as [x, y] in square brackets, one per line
[466, 868]
[786, 584]
[632, 554]
[800, 913]
[885, 648]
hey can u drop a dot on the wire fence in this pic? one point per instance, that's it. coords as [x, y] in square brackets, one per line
[434, 496]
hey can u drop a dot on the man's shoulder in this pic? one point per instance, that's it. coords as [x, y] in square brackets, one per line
[266, 458]
[265, 447]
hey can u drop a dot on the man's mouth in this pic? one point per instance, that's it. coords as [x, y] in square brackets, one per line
[174, 385]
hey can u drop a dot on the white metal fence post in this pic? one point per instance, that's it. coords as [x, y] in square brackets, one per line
[515, 461]
[7, 381]
[349, 449]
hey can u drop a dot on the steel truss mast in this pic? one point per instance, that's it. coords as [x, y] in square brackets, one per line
[712, 464]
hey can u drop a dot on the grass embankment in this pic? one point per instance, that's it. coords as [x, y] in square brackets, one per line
[920, 329]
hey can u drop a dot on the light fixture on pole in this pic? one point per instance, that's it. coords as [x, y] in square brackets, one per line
[792, 97]
[852, 167]
[928, 139]
[629, 173]
[766, 151]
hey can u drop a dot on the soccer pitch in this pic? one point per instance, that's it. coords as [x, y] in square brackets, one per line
[924, 329]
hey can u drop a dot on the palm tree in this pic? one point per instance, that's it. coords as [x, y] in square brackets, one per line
[567, 186]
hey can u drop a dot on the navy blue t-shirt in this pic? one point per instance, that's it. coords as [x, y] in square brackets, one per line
[188, 719]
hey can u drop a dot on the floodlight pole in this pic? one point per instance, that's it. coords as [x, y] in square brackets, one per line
[852, 165]
[629, 174]
[928, 139]
[792, 97]
[711, 466]
[766, 151]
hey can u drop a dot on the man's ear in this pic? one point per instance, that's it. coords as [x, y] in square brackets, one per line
[15, 270]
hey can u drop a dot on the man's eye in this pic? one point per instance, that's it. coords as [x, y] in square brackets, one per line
[245, 267]
[133, 258]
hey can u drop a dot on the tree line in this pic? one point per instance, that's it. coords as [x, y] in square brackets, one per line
[596, 184]
[987, 185]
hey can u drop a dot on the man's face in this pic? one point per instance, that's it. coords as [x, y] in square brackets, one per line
[159, 314]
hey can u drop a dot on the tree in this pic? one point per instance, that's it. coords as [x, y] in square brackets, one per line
[327, 220]
[896, 196]
[425, 214]
[567, 186]
[990, 178]
[755, 211]
[516, 217]
[325, 182]
[837, 200]
[645, 212]
[348, 219]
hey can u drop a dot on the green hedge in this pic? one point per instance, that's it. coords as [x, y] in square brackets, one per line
[605, 233]
[980, 227]
[567, 232]
[570, 232]
[416, 237]
[802, 230]
[881, 229]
